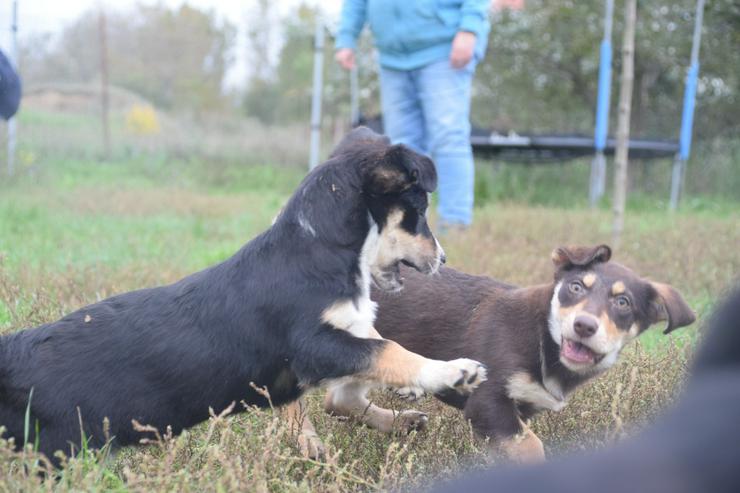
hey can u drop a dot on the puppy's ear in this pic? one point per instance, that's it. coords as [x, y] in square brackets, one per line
[668, 304]
[566, 258]
[399, 168]
[357, 136]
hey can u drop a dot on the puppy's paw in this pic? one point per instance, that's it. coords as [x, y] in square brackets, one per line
[311, 446]
[473, 374]
[408, 421]
[410, 393]
[462, 375]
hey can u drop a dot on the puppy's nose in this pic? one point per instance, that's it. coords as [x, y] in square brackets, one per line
[585, 326]
[443, 257]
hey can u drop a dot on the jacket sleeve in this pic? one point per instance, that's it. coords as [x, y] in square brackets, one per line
[474, 17]
[351, 23]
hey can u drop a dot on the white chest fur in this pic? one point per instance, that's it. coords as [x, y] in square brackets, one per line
[357, 316]
[522, 388]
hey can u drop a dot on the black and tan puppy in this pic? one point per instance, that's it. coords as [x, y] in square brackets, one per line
[288, 311]
[539, 343]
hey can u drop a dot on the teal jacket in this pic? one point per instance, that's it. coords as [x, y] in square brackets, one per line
[412, 33]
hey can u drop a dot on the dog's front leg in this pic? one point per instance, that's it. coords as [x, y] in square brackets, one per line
[309, 443]
[333, 354]
[495, 416]
[413, 375]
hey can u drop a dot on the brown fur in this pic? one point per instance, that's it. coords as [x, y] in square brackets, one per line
[524, 447]
[506, 327]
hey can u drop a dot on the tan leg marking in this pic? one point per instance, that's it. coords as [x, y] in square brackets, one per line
[413, 375]
[524, 447]
[396, 366]
[308, 440]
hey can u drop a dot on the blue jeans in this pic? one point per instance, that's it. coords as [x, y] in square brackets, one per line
[428, 109]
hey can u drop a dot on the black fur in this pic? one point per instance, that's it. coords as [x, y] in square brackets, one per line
[165, 355]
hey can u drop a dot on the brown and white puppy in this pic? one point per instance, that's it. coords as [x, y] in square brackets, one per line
[539, 343]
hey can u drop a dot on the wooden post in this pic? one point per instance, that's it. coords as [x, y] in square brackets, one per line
[354, 97]
[318, 88]
[13, 57]
[623, 121]
[104, 100]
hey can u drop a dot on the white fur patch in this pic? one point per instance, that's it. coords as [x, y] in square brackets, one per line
[438, 375]
[368, 257]
[305, 225]
[554, 320]
[522, 388]
[356, 317]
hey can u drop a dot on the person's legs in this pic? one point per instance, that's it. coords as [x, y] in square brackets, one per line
[445, 99]
[402, 118]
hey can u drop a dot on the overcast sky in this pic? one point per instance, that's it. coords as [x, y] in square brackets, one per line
[50, 16]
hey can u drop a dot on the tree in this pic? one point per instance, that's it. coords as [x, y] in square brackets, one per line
[175, 58]
[541, 70]
[623, 119]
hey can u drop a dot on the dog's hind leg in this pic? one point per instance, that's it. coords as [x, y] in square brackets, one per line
[348, 398]
[309, 443]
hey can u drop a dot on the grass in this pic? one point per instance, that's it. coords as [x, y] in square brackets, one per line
[74, 229]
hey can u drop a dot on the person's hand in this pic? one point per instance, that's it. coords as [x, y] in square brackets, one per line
[462, 49]
[346, 58]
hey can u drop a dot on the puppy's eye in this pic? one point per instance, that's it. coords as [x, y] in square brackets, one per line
[576, 287]
[622, 302]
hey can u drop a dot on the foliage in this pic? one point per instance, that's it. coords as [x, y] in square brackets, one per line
[175, 58]
[540, 73]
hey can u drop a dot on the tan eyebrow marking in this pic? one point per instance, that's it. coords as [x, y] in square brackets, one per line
[618, 288]
[589, 279]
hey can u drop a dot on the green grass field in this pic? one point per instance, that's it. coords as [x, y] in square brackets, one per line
[74, 229]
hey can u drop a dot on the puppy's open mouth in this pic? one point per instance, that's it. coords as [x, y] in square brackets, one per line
[578, 353]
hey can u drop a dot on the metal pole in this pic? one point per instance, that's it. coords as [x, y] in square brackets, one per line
[318, 74]
[12, 129]
[687, 116]
[598, 165]
[354, 100]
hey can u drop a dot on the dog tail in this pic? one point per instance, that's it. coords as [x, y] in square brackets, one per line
[721, 346]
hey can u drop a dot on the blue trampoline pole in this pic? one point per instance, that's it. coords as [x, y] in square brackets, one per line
[598, 165]
[687, 116]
